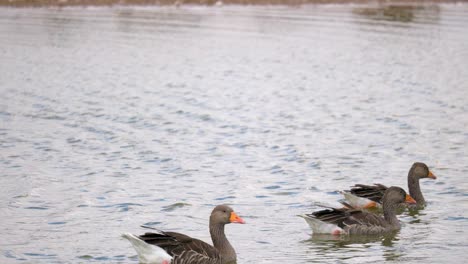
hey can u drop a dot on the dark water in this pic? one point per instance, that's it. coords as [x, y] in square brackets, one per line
[116, 117]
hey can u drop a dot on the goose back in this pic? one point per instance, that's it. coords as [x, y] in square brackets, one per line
[352, 221]
[372, 192]
[184, 249]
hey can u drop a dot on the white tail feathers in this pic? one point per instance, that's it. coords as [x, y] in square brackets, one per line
[148, 253]
[320, 227]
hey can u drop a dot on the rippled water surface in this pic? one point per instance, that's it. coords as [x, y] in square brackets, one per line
[115, 117]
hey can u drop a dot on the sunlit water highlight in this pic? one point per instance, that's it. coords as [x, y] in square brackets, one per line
[116, 117]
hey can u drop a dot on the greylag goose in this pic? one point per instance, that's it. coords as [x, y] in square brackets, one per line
[350, 221]
[184, 249]
[370, 196]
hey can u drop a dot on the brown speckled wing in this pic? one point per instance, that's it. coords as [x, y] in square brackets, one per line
[352, 220]
[364, 223]
[182, 248]
[371, 192]
[336, 216]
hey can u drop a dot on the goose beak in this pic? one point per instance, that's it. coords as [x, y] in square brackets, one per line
[410, 199]
[431, 175]
[236, 219]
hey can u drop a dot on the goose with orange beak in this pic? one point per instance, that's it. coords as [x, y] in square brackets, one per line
[351, 221]
[180, 249]
[370, 196]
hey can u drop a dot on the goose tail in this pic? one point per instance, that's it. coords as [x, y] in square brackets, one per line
[148, 253]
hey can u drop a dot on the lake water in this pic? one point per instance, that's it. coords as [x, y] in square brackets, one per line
[113, 117]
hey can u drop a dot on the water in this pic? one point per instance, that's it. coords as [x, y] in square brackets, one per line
[116, 117]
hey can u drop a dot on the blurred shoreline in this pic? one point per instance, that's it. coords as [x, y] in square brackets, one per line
[62, 3]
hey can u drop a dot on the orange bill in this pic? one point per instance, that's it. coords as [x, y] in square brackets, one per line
[236, 219]
[431, 175]
[409, 199]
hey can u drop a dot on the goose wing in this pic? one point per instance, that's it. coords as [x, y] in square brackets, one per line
[365, 223]
[372, 192]
[345, 217]
[183, 248]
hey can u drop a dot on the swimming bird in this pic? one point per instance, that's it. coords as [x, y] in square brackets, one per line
[370, 196]
[184, 249]
[351, 221]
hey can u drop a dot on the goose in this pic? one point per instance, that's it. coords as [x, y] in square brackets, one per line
[352, 221]
[181, 249]
[370, 196]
